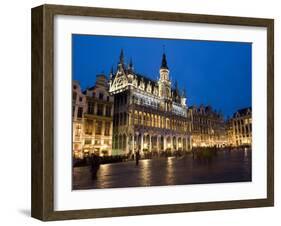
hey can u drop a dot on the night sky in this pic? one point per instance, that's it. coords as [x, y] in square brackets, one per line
[213, 73]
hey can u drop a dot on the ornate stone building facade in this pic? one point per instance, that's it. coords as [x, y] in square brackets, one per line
[149, 116]
[208, 127]
[132, 112]
[78, 110]
[239, 128]
[92, 119]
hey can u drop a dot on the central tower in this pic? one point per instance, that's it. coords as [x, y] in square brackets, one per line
[164, 84]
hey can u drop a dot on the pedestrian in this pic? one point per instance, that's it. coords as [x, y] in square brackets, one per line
[95, 165]
[137, 157]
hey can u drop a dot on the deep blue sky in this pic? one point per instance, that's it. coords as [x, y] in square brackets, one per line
[213, 73]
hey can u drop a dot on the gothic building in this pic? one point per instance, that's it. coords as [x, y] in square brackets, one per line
[78, 109]
[239, 128]
[208, 127]
[92, 119]
[132, 112]
[149, 115]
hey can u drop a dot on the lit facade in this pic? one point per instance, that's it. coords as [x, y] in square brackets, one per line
[239, 128]
[149, 116]
[92, 120]
[208, 127]
[132, 112]
[78, 110]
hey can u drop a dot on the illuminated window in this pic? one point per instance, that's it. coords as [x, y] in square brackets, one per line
[100, 110]
[136, 118]
[97, 142]
[90, 108]
[106, 142]
[107, 129]
[167, 123]
[98, 127]
[89, 127]
[88, 141]
[78, 130]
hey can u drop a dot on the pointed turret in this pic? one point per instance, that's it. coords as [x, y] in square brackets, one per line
[121, 63]
[164, 83]
[164, 69]
[164, 64]
[121, 58]
[131, 63]
[131, 66]
[111, 72]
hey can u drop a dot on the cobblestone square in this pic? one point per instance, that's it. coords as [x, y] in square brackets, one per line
[227, 166]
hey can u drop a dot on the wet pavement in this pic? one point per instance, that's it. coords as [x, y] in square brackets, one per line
[227, 166]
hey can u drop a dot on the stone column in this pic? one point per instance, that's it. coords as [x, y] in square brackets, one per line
[149, 142]
[94, 128]
[157, 144]
[141, 150]
[102, 128]
[104, 109]
[117, 143]
[95, 108]
[127, 145]
[164, 143]
[133, 143]
[189, 143]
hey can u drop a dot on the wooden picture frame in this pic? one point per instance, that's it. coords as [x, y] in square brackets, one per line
[43, 108]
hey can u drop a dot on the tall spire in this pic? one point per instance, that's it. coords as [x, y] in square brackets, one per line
[164, 64]
[121, 58]
[130, 66]
[131, 63]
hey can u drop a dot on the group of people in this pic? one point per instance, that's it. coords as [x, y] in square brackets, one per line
[95, 162]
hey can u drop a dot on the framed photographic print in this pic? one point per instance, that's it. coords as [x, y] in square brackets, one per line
[141, 112]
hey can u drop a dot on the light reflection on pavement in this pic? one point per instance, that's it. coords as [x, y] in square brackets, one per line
[227, 166]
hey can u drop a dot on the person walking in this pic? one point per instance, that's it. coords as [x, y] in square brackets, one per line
[95, 165]
[137, 157]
